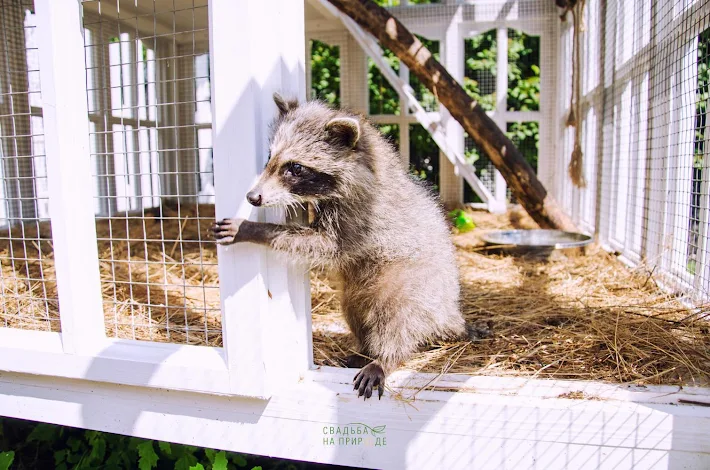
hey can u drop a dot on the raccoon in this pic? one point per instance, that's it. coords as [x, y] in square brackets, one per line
[378, 229]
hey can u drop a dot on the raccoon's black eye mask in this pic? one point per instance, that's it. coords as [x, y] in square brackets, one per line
[306, 181]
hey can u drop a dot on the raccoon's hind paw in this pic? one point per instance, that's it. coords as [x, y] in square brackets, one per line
[371, 376]
[478, 330]
[225, 231]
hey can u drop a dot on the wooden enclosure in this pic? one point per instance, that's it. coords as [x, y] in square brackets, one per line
[124, 121]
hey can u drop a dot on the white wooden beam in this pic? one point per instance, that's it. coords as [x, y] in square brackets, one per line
[247, 68]
[237, 164]
[451, 183]
[499, 185]
[66, 135]
[497, 423]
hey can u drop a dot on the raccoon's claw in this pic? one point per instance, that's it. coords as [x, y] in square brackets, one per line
[225, 231]
[371, 376]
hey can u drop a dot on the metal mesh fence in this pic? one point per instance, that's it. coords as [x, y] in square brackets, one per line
[149, 107]
[644, 136]
[29, 295]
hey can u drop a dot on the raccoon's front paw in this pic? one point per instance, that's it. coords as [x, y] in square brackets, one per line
[371, 376]
[225, 231]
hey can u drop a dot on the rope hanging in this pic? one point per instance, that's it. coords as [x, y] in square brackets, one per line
[576, 165]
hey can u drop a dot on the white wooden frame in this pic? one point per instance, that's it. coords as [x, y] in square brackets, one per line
[247, 364]
[259, 394]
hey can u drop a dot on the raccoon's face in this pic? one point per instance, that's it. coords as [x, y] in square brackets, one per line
[306, 156]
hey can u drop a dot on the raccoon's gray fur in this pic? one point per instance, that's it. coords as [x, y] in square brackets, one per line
[381, 232]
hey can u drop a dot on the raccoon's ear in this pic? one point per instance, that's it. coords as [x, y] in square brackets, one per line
[284, 105]
[344, 131]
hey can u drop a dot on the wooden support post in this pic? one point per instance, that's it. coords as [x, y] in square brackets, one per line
[450, 181]
[520, 177]
[500, 190]
[265, 321]
[66, 136]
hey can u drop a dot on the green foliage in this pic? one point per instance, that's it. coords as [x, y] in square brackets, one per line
[6, 459]
[523, 91]
[702, 98]
[425, 97]
[423, 156]
[391, 133]
[147, 458]
[462, 220]
[523, 71]
[325, 72]
[383, 98]
[480, 68]
[26, 445]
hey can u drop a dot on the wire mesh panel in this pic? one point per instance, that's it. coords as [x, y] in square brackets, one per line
[147, 67]
[644, 135]
[29, 294]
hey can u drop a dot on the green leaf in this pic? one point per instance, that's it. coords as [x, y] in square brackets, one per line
[42, 433]
[74, 444]
[239, 460]
[197, 466]
[60, 456]
[165, 447]
[379, 429]
[98, 449]
[210, 453]
[256, 468]
[185, 462]
[147, 458]
[6, 459]
[220, 461]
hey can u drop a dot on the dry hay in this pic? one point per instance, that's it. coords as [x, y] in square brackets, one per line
[566, 317]
[159, 281]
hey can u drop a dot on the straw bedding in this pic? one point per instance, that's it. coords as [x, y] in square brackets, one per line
[579, 317]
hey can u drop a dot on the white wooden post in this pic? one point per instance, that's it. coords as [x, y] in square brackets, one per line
[500, 188]
[262, 333]
[356, 74]
[66, 135]
[452, 54]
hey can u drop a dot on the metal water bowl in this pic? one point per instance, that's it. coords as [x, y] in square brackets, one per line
[531, 239]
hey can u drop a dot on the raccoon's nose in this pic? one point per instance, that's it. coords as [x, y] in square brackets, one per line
[254, 198]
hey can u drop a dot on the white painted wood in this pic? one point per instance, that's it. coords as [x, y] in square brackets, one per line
[66, 125]
[247, 68]
[121, 362]
[237, 163]
[286, 326]
[499, 186]
[512, 427]
[452, 56]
